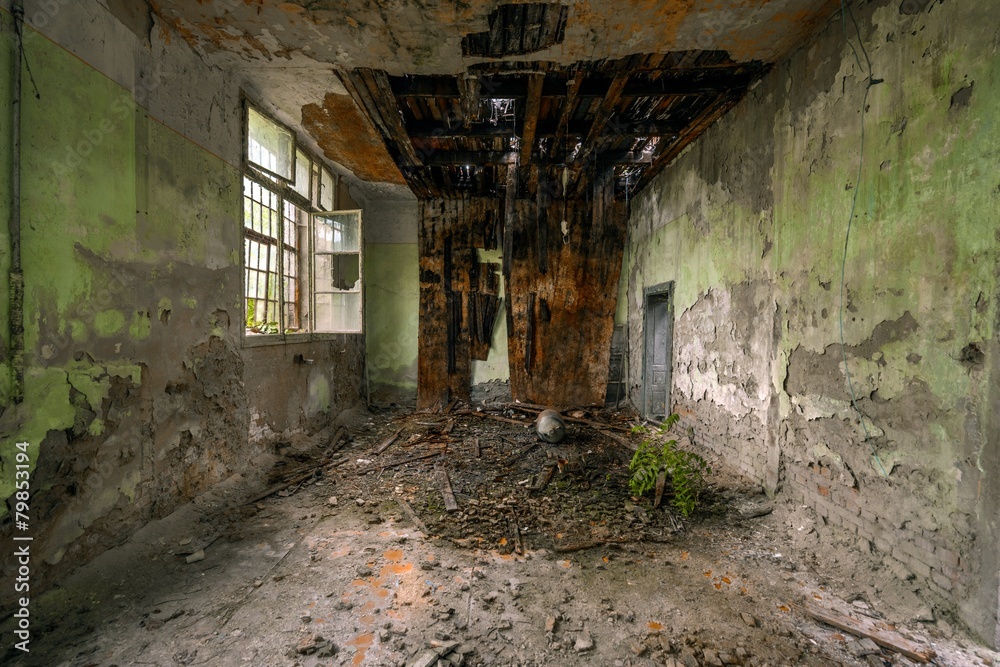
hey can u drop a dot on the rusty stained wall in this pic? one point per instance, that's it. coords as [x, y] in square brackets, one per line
[138, 394]
[449, 232]
[750, 225]
[562, 289]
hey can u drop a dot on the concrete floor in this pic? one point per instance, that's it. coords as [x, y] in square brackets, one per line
[298, 580]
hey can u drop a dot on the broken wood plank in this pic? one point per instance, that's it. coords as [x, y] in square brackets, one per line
[548, 472]
[882, 636]
[506, 420]
[535, 409]
[444, 486]
[414, 519]
[281, 487]
[396, 464]
[617, 438]
[518, 540]
[519, 453]
[388, 442]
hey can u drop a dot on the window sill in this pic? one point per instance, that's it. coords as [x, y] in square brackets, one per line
[263, 340]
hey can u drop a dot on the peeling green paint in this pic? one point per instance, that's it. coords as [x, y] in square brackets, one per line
[141, 327]
[109, 322]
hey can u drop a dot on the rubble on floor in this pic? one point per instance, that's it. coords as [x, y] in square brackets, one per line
[351, 556]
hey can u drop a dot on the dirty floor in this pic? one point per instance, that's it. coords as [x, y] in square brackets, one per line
[355, 559]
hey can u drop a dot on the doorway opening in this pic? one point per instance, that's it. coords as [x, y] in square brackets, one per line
[658, 326]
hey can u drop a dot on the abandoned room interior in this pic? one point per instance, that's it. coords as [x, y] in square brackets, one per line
[290, 283]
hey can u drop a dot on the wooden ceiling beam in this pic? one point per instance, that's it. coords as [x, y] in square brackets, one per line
[662, 83]
[469, 158]
[544, 130]
[531, 109]
[373, 89]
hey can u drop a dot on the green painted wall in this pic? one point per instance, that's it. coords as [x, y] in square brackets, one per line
[127, 406]
[750, 224]
[392, 311]
[6, 64]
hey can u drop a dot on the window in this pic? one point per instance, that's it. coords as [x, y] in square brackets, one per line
[302, 260]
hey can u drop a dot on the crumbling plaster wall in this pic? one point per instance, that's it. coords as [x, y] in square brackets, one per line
[750, 224]
[138, 393]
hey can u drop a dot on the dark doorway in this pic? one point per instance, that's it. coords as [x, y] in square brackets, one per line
[658, 331]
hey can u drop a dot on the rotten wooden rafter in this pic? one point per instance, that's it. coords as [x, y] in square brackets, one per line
[656, 83]
[531, 111]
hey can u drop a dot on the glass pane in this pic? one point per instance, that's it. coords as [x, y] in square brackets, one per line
[270, 146]
[338, 232]
[338, 312]
[326, 192]
[302, 165]
[338, 272]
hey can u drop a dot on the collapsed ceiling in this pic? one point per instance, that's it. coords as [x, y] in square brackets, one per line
[459, 93]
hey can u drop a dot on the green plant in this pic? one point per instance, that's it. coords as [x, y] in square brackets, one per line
[684, 470]
[258, 326]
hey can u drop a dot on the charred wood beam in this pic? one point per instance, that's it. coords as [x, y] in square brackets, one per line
[469, 89]
[372, 88]
[544, 129]
[668, 153]
[661, 83]
[531, 109]
[487, 158]
[471, 158]
[603, 114]
[566, 114]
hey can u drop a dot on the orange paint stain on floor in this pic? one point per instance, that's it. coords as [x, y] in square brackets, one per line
[394, 555]
[397, 568]
[362, 643]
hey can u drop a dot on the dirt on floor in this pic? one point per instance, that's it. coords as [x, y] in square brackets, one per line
[351, 556]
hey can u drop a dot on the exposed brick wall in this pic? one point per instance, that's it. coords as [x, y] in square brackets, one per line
[924, 553]
[740, 443]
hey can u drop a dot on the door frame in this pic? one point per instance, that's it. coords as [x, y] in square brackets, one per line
[658, 292]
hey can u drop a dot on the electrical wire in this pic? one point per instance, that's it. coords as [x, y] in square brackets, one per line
[844, 10]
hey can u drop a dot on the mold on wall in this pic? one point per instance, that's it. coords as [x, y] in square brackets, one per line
[750, 223]
[138, 393]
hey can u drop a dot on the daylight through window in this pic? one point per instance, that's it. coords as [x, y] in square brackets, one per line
[302, 261]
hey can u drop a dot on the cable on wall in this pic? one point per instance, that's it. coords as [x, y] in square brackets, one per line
[845, 11]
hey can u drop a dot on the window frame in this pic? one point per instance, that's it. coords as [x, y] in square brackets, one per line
[309, 207]
[314, 254]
